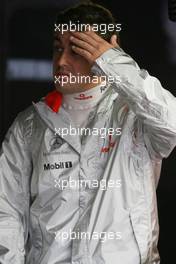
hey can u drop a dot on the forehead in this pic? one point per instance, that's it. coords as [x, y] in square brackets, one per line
[62, 37]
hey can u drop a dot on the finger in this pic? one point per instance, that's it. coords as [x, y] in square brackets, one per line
[87, 55]
[90, 32]
[82, 44]
[85, 37]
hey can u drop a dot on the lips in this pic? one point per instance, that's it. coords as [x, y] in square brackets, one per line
[62, 74]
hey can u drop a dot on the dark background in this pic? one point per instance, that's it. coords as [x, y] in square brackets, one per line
[26, 36]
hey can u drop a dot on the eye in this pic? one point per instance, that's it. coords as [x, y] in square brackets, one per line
[57, 49]
[74, 53]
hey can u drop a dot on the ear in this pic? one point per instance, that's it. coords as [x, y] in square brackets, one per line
[114, 41]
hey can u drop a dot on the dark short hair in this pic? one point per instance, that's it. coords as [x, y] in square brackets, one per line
[88, 13]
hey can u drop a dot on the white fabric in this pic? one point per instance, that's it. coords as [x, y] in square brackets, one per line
[79, 105]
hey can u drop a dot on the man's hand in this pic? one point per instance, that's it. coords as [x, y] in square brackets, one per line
[90, 45]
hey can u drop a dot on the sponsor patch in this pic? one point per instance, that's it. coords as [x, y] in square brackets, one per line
[56, 166]
[56, 142]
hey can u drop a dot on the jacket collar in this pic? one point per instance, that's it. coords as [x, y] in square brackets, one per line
[54, 100]
[56, 120]
[55, 116]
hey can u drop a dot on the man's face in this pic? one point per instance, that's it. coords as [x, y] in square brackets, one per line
[65, 62]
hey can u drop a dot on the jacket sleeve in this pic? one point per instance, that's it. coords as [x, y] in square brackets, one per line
[14, 196]
[152, 104]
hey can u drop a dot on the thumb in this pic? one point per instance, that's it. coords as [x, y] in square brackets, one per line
[113, 41]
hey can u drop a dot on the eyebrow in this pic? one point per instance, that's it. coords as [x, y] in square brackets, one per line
[57, 38]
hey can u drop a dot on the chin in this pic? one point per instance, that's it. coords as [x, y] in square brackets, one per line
[68, 89]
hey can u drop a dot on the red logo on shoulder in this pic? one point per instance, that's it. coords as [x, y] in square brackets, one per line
[110, 145]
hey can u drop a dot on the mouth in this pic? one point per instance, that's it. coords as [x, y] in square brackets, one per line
[62, 74]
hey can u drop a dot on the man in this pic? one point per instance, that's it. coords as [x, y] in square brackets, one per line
[90, 197]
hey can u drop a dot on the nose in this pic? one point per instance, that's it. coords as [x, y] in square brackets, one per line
[63, 59]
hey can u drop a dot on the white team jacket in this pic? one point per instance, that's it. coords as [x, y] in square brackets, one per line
[120, 221]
